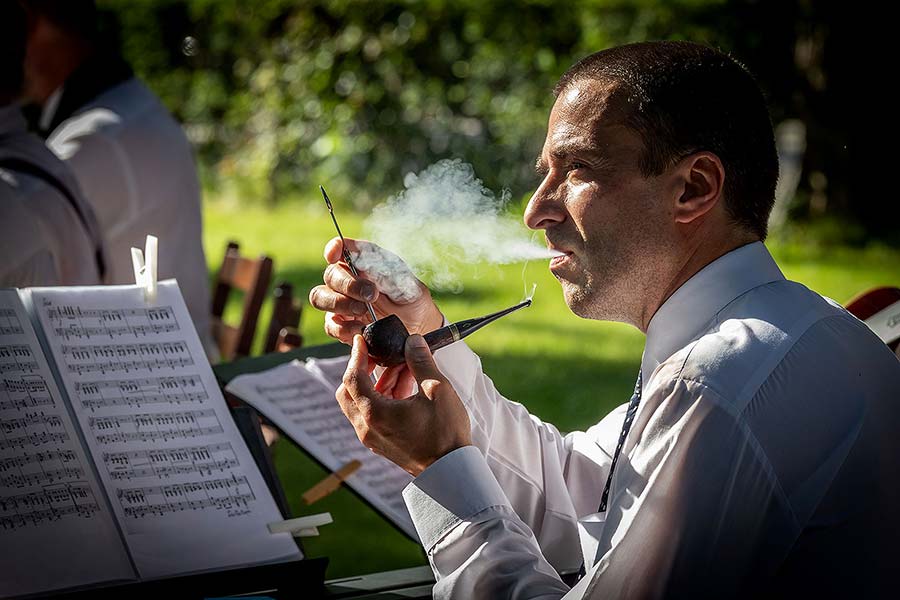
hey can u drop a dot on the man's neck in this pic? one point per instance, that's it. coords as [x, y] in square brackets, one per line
[695, 258]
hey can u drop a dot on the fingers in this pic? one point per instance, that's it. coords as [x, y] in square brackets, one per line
[356, 378]
[334, 250]
[326, 299]
[420, 361]
[406, 384]
[339, 278]
[388, 380]
[390, 274]
[356, 395]
[343, 329]
[396, 382]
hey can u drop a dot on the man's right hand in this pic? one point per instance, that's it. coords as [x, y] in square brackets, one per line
[385, 281]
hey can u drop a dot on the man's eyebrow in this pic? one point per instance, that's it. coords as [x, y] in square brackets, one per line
[567, 149]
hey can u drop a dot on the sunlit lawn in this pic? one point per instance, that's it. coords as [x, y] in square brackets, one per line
[566, 370]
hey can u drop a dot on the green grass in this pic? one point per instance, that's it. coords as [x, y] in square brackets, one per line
[566, 370]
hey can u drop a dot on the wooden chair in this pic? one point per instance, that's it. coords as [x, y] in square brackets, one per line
[251, 276]
[284, 332]
[880, 309]
[283, 335]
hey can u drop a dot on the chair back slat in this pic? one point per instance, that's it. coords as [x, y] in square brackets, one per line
[286, 311]
[252, 277]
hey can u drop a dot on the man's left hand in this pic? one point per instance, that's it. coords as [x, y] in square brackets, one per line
[414, 430]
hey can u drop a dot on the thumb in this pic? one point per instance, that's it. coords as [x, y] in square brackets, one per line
[420, 361]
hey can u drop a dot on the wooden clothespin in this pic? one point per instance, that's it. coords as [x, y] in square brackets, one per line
[302, 526]
[145, 266]
[330, 483]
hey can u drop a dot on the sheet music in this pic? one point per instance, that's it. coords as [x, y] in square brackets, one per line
[301, 403]
[56, 530]
[181, 481]
[330, 369]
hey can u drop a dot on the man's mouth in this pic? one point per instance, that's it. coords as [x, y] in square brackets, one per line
[558, 262]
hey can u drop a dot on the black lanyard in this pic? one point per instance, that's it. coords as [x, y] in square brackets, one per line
[626, 427]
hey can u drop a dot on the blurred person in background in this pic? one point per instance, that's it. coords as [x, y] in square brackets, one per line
[131, 158]
[48, 232]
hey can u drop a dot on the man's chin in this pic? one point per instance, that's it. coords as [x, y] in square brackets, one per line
[576, 297]
[589, 303]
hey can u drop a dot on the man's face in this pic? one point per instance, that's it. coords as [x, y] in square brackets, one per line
[594, 205]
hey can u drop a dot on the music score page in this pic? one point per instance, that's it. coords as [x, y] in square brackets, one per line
[180, 479]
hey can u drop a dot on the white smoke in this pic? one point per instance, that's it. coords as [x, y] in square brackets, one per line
[444, 221]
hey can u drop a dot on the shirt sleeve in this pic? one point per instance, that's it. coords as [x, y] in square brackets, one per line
[696, 511]
[549, 479]
[477, 545]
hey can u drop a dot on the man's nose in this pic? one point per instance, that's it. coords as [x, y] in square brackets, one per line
[545, 208]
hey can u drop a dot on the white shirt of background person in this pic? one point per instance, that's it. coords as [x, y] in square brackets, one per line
[42, 240]
[137, 169]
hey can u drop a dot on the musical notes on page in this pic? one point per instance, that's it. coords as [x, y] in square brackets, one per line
[300, 400]
[16, 358]
[9, 322]
[27, 391]
[155, 427]
[49, 504]
[74, 322]
[230, 494]
[53, 516]
[177, 473]
[167, 463]
[126, 358]
[137, 393]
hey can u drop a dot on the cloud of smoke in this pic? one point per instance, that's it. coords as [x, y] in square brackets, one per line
[445, 220]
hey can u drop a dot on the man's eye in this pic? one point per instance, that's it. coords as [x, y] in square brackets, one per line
[577, 165]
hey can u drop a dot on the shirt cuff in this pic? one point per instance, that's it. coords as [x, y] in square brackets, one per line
[451, 490]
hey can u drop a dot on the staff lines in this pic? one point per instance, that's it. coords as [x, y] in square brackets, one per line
[74, 322]
[222, 494]
[50, 503]
[151, 427]
[29, 391]
[100, 394]
[17, 358]
[168, 462]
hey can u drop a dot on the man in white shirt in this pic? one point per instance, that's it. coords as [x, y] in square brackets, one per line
[131, 158]
[48, 233]
[759, 455]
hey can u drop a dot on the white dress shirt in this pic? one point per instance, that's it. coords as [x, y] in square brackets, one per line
[42, 240]
[764, 459]
[136, 167]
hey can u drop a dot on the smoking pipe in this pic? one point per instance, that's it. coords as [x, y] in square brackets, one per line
[386, 337]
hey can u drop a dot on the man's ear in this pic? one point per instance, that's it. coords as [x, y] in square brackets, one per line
[700, 178]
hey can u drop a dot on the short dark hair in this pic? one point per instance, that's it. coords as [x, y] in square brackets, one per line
[684, 97]
[13, 28]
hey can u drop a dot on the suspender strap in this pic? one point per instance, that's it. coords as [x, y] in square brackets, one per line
[28, 168]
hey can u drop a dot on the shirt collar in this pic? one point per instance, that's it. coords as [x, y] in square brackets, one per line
[687, 313]
[48, 112]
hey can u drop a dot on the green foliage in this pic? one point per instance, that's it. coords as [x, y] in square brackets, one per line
[280, 95]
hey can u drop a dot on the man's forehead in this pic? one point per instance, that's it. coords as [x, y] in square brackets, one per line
[587, 115]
